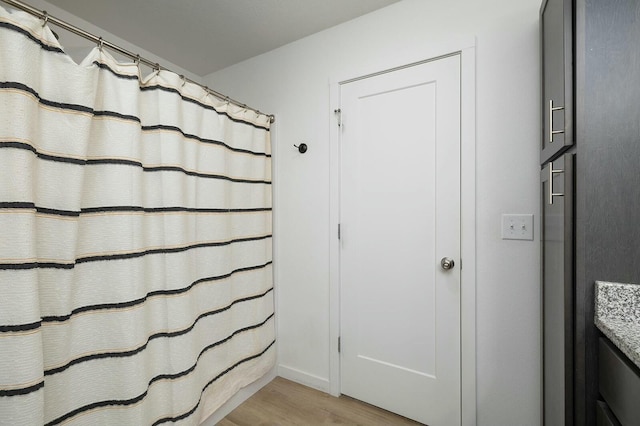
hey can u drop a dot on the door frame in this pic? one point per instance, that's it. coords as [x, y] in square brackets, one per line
[466, 49]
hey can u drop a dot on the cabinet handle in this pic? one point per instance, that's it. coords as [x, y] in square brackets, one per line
[551, 193]
[551, 110]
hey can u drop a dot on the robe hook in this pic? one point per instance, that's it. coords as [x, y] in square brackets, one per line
[302, 148]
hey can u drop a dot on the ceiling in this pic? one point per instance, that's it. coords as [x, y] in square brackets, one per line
[204, 36]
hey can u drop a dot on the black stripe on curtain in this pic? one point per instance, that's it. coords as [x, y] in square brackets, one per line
[112, 71]
[209, 107]
[135, 400]
[21, 205]
[22, 391]
[106, 67]
[120, 256]
[164, 334]
[193, 410]
[31, 37]
[198, 138]
[34, 388]
[152, 294]
[87, 110]
[61, 105]
[20, 327]
[120, 161]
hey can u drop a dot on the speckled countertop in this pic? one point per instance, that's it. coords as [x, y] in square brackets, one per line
[618, 316]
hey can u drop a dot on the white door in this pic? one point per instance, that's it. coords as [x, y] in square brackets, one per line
[399, 216]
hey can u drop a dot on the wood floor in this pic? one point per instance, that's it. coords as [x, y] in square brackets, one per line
[283, 403]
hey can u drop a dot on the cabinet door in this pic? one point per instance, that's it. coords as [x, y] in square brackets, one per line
[557, 77]
[604, 415]
[619, 383]
[558, 289]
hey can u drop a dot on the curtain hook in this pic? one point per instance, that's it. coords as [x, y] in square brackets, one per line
[100, 43]
[157, 68]
[45, 18]
[136, 62]
[184, 80]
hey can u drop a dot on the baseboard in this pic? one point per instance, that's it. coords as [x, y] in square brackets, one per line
[303, 378]
[240, 397]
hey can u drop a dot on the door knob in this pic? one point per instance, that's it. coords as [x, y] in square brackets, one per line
[447, 263]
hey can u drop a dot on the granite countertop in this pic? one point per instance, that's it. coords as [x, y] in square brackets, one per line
[618, 316]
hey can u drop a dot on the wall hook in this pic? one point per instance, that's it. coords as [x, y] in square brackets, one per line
[302, 148]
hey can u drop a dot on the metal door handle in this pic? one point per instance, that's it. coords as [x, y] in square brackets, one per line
[551, 110]
[551, 193]
[447, 263]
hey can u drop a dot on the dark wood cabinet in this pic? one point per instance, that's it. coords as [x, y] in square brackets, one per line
[557, 77]
[558, 212]
[619, 384]
[591, 67]
[604, 416]
[558, 293]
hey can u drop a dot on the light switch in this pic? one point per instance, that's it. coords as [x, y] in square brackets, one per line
[517, 227]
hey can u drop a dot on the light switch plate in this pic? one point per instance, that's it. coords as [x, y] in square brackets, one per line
[517, 227]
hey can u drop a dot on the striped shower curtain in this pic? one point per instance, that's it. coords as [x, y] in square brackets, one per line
[135, 240]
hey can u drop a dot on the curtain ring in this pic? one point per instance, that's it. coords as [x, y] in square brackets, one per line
[45, 18]
[184, 80]
[100, 43]
[157, 68]
[137, 60]
[226, 100]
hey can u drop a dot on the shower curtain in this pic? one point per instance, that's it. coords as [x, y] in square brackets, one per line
[135, 240]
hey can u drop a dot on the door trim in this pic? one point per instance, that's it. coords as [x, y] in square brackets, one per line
[467, 223]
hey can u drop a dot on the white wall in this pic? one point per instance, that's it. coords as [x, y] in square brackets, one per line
[293, 83]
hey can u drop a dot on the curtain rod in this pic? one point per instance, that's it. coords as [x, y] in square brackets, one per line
[42, 14]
